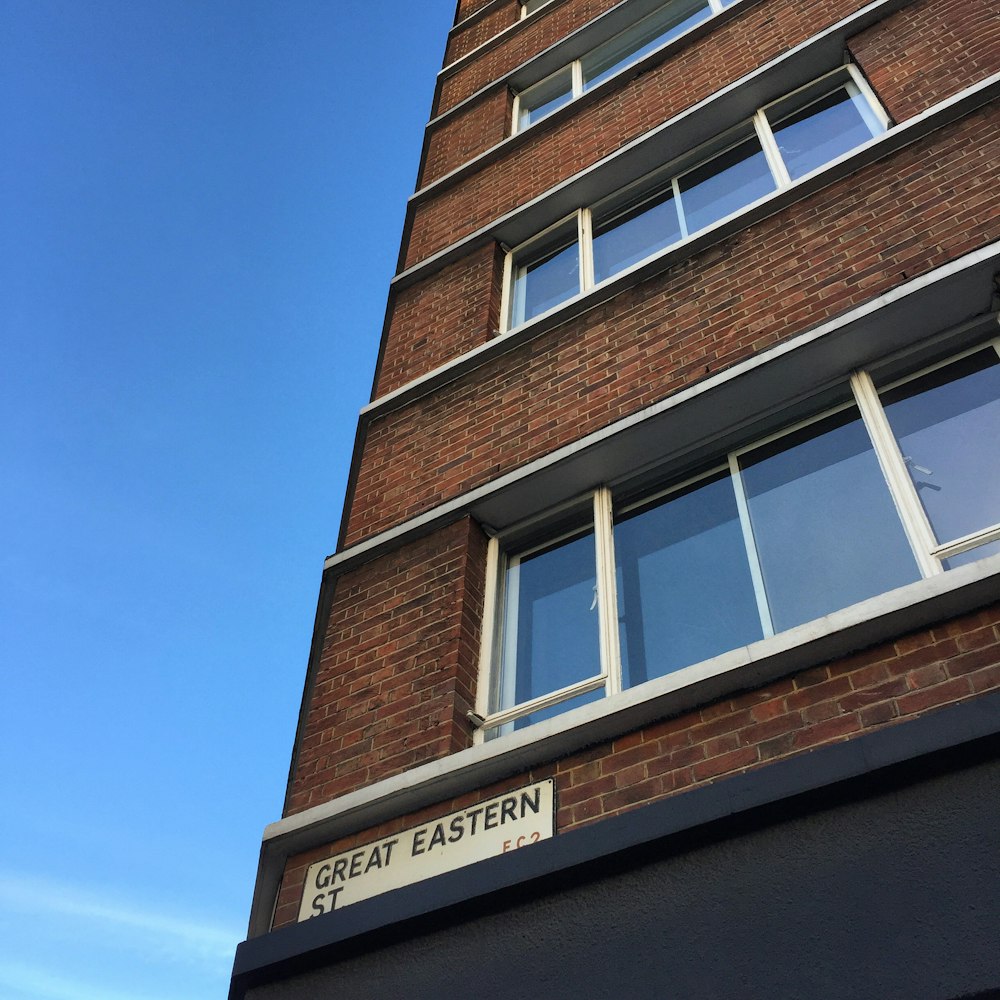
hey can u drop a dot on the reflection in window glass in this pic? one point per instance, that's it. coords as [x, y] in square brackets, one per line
[725, 184]
[639, 40]
[826, 531]
[543, 98]
[947, 423]
[546, 281]
[551, 637]
[821, 131]
[684, 588]
[634, 234]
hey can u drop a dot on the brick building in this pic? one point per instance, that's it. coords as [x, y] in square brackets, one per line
[671, 551]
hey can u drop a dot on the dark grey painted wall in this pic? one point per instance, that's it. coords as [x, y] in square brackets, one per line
[893, 895]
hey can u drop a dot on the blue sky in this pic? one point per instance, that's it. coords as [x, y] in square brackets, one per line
[200, 209]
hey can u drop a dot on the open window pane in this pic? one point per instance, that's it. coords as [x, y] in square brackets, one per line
[648, 34]
[947, 423]
[634, 233]
[530, 6]
[971, 555]
[543, 98]
[550, 615]
[553, 710]
[826, 531]
[684, 588]
[821, 131]
[725, 184]
[545, 281]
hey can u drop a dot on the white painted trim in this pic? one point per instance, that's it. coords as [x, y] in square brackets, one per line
[904, 496]
[525, 13]
[750, 546]
[503, 720]
[771, 152]
[586, 238]
[869, 103]
[507, 304]
[967, 542]
[488, 651]
[607, 597]
[505, 681]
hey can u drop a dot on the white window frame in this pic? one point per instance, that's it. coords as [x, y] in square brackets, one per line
[759, 125]
[715, 7]
[517, 262]
[504, 550]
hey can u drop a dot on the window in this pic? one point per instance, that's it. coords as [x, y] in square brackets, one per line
[610, 57]
[898, 480]
[530, 6]
[781, 144]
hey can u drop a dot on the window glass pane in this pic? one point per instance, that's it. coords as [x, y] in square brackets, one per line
[541, 99]
[947, 423]
[634, 234]
[820, 132]
[648, 34]
[684, 588]
[826, 530]
[545, 282]
[725, 184]
[550, 621]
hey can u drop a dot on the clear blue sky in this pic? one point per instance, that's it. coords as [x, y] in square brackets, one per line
[200, 210]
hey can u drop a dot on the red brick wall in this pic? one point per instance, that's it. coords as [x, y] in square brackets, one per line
[761, 33]
[436, 320]
[840, 247]
[482, 30]
[880, 686]
[911, 58]
[532, 35]
[466, 8]
[398, 669]
[455, 141]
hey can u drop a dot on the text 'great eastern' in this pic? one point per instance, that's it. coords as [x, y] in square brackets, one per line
[496, 826]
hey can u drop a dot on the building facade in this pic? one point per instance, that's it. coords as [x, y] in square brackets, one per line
[660, 652]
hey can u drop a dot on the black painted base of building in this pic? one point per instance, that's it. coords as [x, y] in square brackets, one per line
[870, 869]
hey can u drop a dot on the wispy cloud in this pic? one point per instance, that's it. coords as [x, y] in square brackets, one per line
[143, 928]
